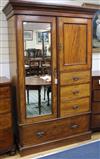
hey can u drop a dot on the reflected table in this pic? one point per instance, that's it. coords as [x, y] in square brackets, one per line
[36, 83]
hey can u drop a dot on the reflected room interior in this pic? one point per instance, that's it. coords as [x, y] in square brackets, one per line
[37, 62]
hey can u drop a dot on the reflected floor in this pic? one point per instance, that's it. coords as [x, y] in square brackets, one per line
[32, 109]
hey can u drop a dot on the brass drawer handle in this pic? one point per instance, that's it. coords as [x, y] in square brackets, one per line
[75, 92]
[75, 107]
[75, 126]
[40, 134]
[76, 78]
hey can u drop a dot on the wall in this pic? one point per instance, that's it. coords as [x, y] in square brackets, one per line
[4, 50]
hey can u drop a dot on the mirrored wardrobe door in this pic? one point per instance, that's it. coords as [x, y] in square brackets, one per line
[39, 53]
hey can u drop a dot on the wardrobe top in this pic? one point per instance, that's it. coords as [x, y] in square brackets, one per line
[47, 5]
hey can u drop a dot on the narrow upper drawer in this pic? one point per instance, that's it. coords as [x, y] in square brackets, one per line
[74, 107]
[5, 121]
[5, 105]
[5, 92]
[96, 83]
[53, 130]
[74, 92]
[74, 77]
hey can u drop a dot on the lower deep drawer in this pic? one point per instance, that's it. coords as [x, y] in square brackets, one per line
[53, 130]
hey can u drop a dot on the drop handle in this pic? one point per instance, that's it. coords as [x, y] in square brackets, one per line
[76, 78]
[40, 133]
[75, 92]
[74, 126]
[75, 107]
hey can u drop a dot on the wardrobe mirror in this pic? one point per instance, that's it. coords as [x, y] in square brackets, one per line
[37, 63]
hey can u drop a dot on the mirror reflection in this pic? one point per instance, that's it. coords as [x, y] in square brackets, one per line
[37, 54]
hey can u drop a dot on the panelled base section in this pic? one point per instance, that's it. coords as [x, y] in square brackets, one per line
[26, 150]
[42, 136]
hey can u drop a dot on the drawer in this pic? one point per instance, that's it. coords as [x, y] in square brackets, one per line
[5, 121]
[96, 95]
[74, 92]
[96, 121]
[5, 92]
[74, 107]
[5, 105]
[53, 130]
[6, 139]
[96, 107]
[96, 84]
[74, 78]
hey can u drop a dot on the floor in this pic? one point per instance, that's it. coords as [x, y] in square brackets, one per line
[33, 106]
[95, 136]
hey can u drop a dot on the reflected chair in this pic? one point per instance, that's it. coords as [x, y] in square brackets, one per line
[48, 92]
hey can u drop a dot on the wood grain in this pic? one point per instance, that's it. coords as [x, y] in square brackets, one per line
[95, 120]
[6, 131]
[50, 131]
[74, 51]
[74, 44]
[74, 78]
[74, 92]
[5, 105]
[96, 95]
[74, 107]
[96, 107]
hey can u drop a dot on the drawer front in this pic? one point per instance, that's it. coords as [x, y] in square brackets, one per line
[5, 121]
[74, 78]
[96, 121]
[5, 105]
[96, 107]
[49, 131]
[96, 83]
[74, 92]
[5, 92]
[6, 139]
[96, 95]
[74, 107]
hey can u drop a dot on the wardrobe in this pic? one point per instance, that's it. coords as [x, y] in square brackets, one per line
[66, 85]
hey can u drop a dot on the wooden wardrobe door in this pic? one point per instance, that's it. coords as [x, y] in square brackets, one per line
[74, 43]
[40, 20]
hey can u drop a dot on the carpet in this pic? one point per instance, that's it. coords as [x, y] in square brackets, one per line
[87, 151]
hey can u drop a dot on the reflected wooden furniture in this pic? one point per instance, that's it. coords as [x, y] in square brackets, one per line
[95, 123]
[37, 66]
[35, 83]
[71, 49]
[6, 130]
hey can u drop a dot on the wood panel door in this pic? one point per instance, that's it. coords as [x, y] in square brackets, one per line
[74, 43]
[29, 31]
